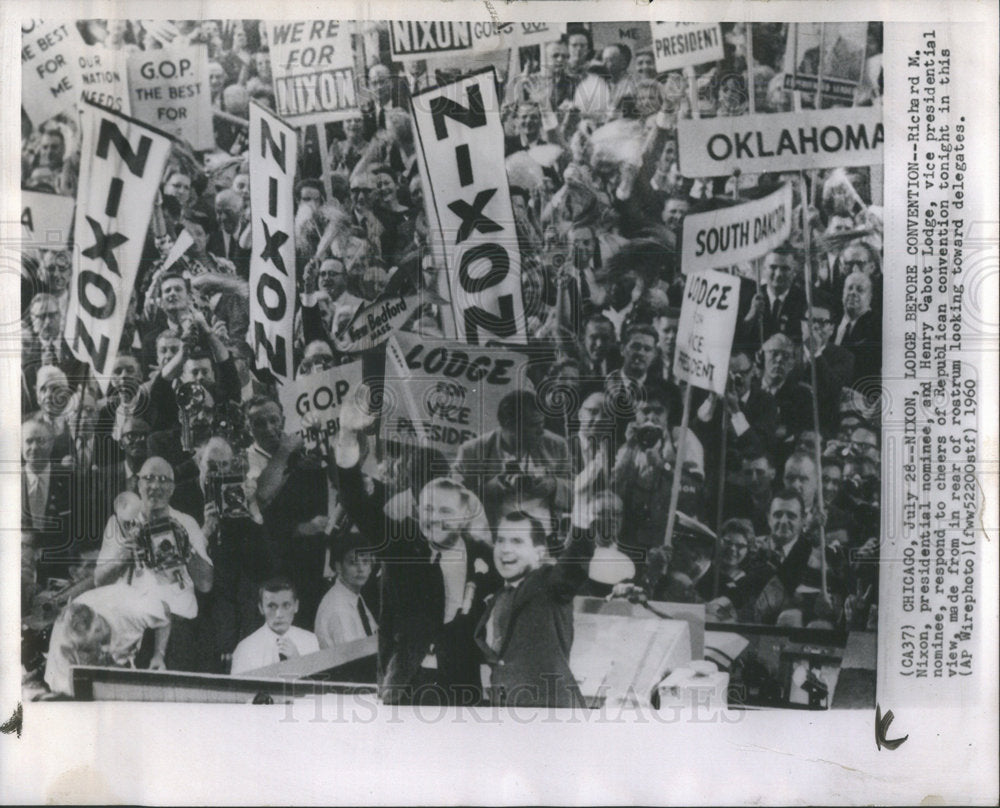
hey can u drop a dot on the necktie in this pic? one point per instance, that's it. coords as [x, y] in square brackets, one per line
[363, 614]
[49, 354]
[132, 484]
[437, 584]
[502, 608]
[36, 502]
[775, 310]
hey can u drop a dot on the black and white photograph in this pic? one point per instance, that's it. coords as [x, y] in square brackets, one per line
[499, 365]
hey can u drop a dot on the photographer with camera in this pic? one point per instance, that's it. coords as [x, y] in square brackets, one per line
[218, 499]
[163, 554]
[643, 473]
[290, 487]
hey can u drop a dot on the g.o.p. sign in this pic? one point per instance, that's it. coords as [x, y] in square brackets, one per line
[169, 89]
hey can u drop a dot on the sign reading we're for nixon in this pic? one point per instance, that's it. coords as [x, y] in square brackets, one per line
[313, 66]
[272, 262]
[121, 164]
[460, 151]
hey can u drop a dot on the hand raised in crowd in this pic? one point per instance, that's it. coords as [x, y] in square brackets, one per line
[758, 305]
[355, 415]
[211, 516]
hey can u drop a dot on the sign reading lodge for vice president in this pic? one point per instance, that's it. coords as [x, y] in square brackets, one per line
[706, 328]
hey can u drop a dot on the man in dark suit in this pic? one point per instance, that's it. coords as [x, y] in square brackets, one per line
[792, 395]
[435, 578]
[224, 240]
[44, 345]
[859, 331]
[599, 350]
[385, 91]
[46, 503]
[519, 460]
[780, 304]
[834, 364]
[527, 633]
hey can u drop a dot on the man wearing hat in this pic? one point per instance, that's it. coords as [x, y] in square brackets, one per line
[343, 616]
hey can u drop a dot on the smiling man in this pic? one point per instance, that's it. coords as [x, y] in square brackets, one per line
[527, 634]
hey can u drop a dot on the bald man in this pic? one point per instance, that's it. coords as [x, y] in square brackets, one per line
[162, 553]
[859, 330]
[223, 241]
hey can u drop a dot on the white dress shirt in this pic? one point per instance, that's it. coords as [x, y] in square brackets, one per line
[260, 649]
[338, 620]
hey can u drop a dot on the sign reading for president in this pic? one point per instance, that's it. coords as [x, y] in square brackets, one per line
[684, 44]
[313, 66]
[786, 141]
[706, 328]
[121, 163]
[461, 151]
[272, 262]
[731, 235]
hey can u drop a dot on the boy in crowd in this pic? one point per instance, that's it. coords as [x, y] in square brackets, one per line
[276, 640]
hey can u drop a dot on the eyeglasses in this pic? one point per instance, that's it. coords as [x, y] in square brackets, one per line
[821, 321]
[159, 479]
[320, 362]
[134, 437]
[46, 315]
[855, 264]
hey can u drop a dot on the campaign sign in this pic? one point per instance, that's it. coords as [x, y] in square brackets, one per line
[313, 66]
[634, 34]
[411, 40]
[684, 44]
[312, 403]
[169, 89]
[731, 235]
[460, 148]
[103, 78]
[786, 141]
[49, 79]
[272, 220]
[46, 219]
[374, 323]
[706, 328]
[445, 393]
[121, 162]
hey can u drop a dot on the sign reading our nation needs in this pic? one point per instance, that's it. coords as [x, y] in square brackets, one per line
[682, 44]
[312, 403]
[103, 78]
[46, 219]
[121, 162]
[313, 66]
[411, 40]
[169, 88]
[460, 152]
[788, 141]
[444, 393]
[731, 235]
[272, 262]
[706, 328]
[49, 78]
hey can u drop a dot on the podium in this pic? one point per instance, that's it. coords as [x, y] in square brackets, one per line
[619, 659]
